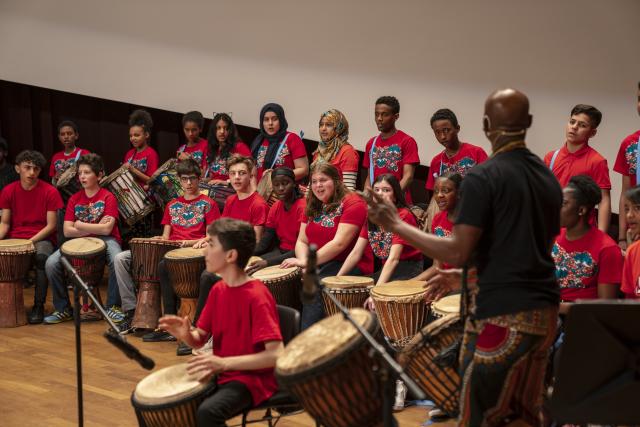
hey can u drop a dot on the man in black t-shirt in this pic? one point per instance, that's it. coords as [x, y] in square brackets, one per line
[508, 217]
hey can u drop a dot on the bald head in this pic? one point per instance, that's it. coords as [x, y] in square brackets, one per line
[507, 109]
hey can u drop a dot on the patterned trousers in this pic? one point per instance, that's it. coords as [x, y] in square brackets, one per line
[503, 362]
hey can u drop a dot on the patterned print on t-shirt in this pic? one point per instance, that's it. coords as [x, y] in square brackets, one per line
[262, 153]
[387, 157]
[62, 165]
[380, 242]
[461, 166]
[572, 267]
[327, 219]
[189, 214]
[631, 156]
[197, 156]
[140, 164]
[91, 213]
[219, 166]
[441, 232]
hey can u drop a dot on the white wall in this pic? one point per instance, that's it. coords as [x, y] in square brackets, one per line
[310, 56]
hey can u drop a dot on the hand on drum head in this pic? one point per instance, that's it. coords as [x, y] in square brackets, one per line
[255, 266]
[442, 283]
[380, 212]
[293, 262]
[369, 305]
[200, 243]
[177, 326]
[205, 366]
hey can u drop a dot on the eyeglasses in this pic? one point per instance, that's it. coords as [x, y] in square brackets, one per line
[189, 178]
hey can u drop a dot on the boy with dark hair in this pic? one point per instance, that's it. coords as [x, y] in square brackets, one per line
[29, 209]
[246, 205]
[392, 151]
[62, 160]
[241, 316]
[185, 219]
[628, 165]
[196, 148]
[577, 157]
[7, 170]
[457, 157]
[91, 212]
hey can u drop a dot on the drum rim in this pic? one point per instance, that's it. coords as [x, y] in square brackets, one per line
[166, 166]
[186, 395]
[371, 325]
[429, 329]
[159, 242]
[288, 276]
[25, 246]
[115, 174]
[419, 291]
[102, 248]
[452, 297]
[197, 256]
[352, 285]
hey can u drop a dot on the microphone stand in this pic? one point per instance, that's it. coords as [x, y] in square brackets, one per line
[81, 286]
[387, 371]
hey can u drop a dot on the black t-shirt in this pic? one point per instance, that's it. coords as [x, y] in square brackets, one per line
[515, 199]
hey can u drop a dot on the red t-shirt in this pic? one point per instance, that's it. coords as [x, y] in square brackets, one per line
[442, 227]
[287, 223]
[631, 272]
[218, 168]
[253, 209]
[582, 264]
[293, 149]
[390, 155]
[585, 161]
[322, 229]
[467, 157]
[345, 160]
[60, 162]
[92, 209]
[627, 159]
[146, 161]
[381, 241]
[198, 152]
[29, 208]
[189, 218]
[241, 319]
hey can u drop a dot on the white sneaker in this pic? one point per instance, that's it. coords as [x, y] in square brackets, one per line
[401, 393]
[207, 348]
[437, 413]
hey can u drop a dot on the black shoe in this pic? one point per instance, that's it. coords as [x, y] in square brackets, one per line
[183, 350]
[37, 314]
[157, 336]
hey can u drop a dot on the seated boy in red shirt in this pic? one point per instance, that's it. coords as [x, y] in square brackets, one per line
[241, 316]
[29, 207]
[246, 205]
[577, 157]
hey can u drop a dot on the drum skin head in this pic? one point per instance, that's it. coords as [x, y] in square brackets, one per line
[447, 305]
[322, 342]
[184, 253]
[83, 246]
[399, 288]
[167, 385]
[432, 328]
[166, 166]
[274, 272]
[345, 282]
[16, 245]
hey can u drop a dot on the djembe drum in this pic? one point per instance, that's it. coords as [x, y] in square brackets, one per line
[67, 183]
[185, 265]
[16, 258]
[217, 192]
[401, 309]
[445, 306]
[351, 291]
[87, 255]
[169, 397]
[146, 254]
[133, 202]
[165, 184]
[328, 369]
[283, 283]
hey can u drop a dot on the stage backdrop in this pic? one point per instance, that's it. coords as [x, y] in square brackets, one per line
[310, 56]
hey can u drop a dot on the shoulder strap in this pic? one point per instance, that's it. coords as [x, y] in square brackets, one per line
[275, 159]
[373, 147]
[78, 154]
[553, 159]
[638, 162]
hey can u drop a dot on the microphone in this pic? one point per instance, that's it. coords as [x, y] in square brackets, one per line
[310, 279]
[130, 351]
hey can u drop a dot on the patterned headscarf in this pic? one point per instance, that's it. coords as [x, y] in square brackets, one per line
[328, 150]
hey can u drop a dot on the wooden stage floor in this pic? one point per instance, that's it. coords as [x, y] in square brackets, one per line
[38, 380]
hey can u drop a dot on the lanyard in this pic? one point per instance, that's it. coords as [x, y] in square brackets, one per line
[553, 159]
[275, 159]
[373, 147]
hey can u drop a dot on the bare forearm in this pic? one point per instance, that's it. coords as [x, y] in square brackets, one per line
[98, 229]
[387, 270]
[329, 251]
[44, 233]
[604, 211]
[250, 362]
[4, 229]
[140, 175]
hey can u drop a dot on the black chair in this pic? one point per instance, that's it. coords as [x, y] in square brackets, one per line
[281, 401]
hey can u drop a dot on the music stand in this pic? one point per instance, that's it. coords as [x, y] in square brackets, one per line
[598, 379]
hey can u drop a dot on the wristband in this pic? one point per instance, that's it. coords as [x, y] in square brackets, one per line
[622, 239]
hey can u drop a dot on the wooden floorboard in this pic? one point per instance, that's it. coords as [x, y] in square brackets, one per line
[38, 380]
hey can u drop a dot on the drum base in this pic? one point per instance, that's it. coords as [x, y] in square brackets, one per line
[188, 308]
[148, 306]
[12, 312]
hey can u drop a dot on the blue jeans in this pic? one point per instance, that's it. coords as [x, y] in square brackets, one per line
[56, 274]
